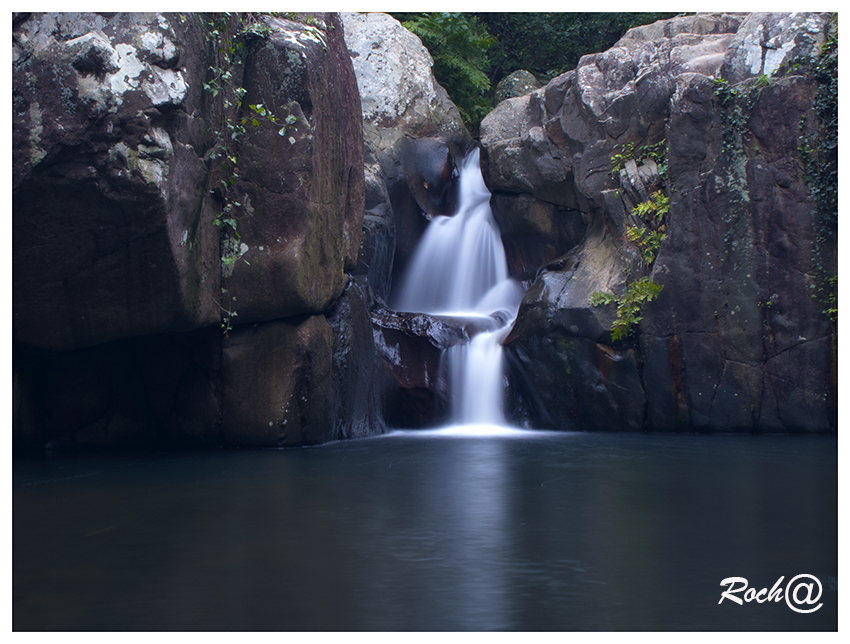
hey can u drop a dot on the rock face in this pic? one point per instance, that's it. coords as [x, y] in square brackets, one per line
[320, 154]
[310, 175]
[741, 258]
[107, 181]
[412, 134]
[122, 160]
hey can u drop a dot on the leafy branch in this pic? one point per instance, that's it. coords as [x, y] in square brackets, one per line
[628, 305]
[458, 44]
[646, 233]
[648, 236]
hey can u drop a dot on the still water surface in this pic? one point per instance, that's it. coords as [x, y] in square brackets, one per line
[429, 531]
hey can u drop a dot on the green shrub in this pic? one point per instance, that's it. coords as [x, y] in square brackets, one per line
[628, 305]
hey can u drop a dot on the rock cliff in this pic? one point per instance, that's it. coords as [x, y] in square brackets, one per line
[133, 134]
[711, 112]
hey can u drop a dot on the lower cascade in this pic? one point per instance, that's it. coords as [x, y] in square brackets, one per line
[459, 270]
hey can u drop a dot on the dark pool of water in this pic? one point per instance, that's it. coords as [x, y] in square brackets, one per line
[541, 531]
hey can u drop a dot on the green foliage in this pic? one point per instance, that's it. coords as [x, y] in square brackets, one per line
[731, 116]
[628, 305]
[620, 158]
[458, 43]
[831, 298]
[649, 236]
[724, 92]
[733, 124]
[761, 81]
[598, 298]
[655, 208]
[647, 240]
[304, 18]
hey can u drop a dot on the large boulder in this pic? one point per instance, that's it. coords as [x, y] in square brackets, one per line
[129, 326]
[399, 93]
[518, 83]
[301, 186]
[113, 136]
[741, 257]
[107, 179]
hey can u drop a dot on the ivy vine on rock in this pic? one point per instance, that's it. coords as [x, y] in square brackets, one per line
[230, 35]
[818, 147]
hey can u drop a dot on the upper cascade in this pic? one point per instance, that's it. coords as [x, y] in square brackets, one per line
[460, 267]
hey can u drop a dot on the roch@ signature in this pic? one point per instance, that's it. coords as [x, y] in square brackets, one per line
[797, 592]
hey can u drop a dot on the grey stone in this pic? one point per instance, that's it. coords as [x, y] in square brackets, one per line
[518, 83]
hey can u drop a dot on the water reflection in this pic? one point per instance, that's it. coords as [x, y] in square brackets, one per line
[458, 525]
[428, 531]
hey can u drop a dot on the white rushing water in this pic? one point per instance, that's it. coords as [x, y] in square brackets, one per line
[460, 270]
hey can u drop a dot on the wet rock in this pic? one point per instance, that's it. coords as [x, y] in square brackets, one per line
[411, 346]
[430, 171]
[377, 245]
[610, 396]
[534, 232]
[277, 384]
[359, 380]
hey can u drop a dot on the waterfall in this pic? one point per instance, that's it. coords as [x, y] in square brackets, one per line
[459, 269]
